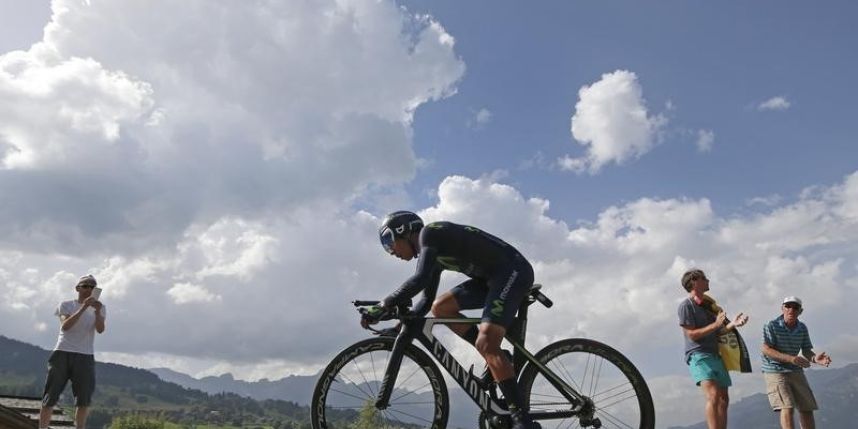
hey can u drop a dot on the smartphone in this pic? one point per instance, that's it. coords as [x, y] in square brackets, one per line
[96, 293]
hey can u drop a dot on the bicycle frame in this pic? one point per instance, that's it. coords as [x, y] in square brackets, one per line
[420, 329]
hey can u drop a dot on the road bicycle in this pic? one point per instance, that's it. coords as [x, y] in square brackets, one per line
[573, 382]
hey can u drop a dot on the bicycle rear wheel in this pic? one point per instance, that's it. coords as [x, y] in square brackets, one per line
[621, 398]
[347, 389]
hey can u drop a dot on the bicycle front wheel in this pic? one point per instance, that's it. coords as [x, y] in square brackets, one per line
[619, 394]
[346, 392]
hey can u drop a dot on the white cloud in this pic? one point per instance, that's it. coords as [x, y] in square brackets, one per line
[131, 135]
[480, 118]
[229, 247]
[705, 140]
[184, 293]
[86, 102]
[768, 200]
[775, 103]
[612, 122]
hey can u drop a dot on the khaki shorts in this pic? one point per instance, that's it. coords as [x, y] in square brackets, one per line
[789, 390]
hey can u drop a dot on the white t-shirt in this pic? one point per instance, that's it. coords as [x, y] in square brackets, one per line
[81, 336]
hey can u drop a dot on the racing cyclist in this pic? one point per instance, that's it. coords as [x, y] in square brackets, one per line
[499, 280]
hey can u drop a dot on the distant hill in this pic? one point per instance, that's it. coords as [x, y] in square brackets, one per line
[297, 389]
[836, 391]
[122, 389]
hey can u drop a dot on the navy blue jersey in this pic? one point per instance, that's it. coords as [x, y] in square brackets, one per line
[465, 249]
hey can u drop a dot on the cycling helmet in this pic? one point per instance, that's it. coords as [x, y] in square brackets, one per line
[398, 224]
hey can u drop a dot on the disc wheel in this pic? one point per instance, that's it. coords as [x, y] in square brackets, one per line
[347, 389]
[618, 394]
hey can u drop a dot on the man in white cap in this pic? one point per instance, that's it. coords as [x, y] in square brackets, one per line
[783, 366]
[73, 357]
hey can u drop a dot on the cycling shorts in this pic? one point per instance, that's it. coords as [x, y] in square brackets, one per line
[499, 296]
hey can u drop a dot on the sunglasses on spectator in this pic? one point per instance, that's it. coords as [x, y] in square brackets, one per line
[87, 286]
[792, 305]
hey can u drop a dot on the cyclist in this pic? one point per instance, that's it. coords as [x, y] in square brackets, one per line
[500, 278]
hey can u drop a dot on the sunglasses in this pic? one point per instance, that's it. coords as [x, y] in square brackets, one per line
[387, 240]
[793, 306]
[87, 286]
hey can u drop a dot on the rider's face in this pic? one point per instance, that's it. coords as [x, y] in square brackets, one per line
[402, 249]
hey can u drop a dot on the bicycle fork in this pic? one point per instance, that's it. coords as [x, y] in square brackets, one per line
[392, 371]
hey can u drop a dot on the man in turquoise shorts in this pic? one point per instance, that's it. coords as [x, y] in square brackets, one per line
[700, 327]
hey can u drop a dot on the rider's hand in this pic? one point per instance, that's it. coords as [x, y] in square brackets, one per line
[373, 315]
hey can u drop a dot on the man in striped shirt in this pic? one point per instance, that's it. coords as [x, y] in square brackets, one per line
[783, 366]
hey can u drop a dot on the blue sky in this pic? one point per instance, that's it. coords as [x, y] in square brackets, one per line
[230, 162]
[714, 62]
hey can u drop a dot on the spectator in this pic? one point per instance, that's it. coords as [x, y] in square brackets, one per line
[72, 358]
[783, 367]
[701, 321]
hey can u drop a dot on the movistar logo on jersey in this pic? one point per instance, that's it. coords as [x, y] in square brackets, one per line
[435, 225]
[449, 263]
[497, 307]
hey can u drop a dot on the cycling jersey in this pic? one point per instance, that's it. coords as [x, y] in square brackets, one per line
[500, 277]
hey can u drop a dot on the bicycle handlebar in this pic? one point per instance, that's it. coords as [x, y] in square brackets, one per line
[544, 300]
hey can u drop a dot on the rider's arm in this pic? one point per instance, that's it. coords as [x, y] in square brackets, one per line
[421, 280]
[425, 304]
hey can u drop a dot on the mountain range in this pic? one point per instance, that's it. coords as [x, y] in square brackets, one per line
[294, 388]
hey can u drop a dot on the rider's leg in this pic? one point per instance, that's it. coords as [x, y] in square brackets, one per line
[469, 295]
[488, 344]
[446, 306]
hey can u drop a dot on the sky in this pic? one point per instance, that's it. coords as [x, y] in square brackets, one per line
[222, 167]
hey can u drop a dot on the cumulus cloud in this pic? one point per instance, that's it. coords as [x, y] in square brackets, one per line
[775, 103]
[130, 135]
[198, 156]
[612, 122]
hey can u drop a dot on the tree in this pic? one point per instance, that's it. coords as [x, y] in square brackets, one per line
[368, 417]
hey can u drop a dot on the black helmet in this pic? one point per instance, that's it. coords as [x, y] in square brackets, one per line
[397, 225]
